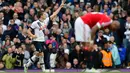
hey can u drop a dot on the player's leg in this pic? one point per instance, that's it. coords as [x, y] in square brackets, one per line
[87, 36]
[79, 30]
[87, 33]
[33, 58]
[41, 61]
[41, 56]
[30, 61]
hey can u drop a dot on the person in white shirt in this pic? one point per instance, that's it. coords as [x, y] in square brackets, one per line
[127, 33]
[38, 38]
[53, 60]
[126, 41]
[17, 21]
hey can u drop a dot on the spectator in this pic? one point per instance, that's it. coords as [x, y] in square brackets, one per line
[26, 53]
[22, 35]
[61, 59]
[31, 14]
[53, 41]
[70, 20]
[76, 15]
[127, 27]
[14, 28]
[9, 59]
[66, 50]
[106, 54]
[63, 41]
[19, 58]
[107, 33]
[8, 14]
[73, 43]
[112, 40]
[76, 53]
[66, 28]
[68, 65]
[19, 9]
[110, 3]
[13, 48]
[16, 20]
[67, 11]
[7, 44]
[99, 40]
[99, 4]
[36, 7]
[77, 7]
[115, 54]
[75, 64]
[26, 18]
[59, 35]
[17, 42]
[53, 58]
[106, 9]
[55, 25]
[127, 42]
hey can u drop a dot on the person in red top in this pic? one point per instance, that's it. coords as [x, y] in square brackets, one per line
[87, 25]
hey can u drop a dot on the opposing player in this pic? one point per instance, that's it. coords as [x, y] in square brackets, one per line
[87, 25]
[36, 32]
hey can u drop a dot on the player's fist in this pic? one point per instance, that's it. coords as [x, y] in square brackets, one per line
[62, 4]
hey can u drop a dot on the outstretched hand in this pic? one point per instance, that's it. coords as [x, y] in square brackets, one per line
[63, 3]
[58, 10]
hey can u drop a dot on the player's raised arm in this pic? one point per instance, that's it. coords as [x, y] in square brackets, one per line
[58, 10]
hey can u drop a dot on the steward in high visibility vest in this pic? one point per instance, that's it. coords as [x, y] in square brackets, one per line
[106, 58]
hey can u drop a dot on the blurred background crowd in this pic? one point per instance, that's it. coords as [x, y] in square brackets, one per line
[62, 51]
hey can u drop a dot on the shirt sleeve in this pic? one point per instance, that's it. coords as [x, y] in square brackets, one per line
[33, 25]
[104, 22]
[47, 20]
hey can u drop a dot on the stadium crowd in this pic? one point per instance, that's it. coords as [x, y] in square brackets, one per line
[62, 51]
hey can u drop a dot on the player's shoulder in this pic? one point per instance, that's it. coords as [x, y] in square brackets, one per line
[34, 22]
[48, 18]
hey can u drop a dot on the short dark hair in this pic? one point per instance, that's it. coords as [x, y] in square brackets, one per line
[39, 14]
